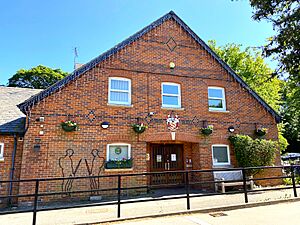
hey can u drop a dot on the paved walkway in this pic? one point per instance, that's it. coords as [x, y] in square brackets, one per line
[105, 213]
[279, 214]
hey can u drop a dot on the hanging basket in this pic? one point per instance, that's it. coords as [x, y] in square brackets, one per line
[139, 129]
[69, 125]
[68, 128]
[206, 131]
[261, 132]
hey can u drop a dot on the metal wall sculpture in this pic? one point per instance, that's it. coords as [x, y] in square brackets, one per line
[69, 169]
[94, 169]
[66, 165]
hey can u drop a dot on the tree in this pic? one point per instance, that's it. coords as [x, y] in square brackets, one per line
[284, 46]
[291, 115]
[39, 77]
[251, 67]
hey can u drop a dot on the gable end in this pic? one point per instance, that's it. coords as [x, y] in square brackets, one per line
[26, 105]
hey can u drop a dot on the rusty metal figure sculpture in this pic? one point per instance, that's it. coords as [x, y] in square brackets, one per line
[68, 170]
[94, 169]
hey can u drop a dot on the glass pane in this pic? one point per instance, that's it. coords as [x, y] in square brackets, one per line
[120, 85]
[215, 103]
[117, 152]
[215, 93]
[119, 96]
[170, 89]
[220, 155]
[170, 100]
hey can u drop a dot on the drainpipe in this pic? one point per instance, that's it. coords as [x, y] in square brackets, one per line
[12, 170]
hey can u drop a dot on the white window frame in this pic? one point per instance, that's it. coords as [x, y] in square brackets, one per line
[117, 90]
[118, 144]
[215, 98]
[228, 155]
[176, 95]
[1, 151]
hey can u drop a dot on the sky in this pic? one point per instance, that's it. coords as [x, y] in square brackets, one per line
[34, 32]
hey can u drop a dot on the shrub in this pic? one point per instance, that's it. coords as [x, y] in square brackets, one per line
[253, 152]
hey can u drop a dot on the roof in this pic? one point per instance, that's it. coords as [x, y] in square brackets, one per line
[12, 120]
[171, 15]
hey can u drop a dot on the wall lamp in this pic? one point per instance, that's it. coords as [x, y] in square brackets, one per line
[105, 125]
[231, 129]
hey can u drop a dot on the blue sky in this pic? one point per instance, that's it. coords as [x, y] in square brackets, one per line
[34, 32]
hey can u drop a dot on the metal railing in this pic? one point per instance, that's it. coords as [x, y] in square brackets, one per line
[187, 185]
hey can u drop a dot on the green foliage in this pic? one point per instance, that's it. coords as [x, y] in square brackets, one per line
[39, 77]
[284, 45]
[251, 67]
[288, 181]
[291, 115]
[283, 143]
[253, 152]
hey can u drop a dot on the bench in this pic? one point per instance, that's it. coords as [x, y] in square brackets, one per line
[233, 177]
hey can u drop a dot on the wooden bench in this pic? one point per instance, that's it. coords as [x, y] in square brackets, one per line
[233, 178]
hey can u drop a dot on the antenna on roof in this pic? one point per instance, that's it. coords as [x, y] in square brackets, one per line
[75, 56]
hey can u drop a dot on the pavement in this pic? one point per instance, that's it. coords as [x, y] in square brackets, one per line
[98, 214]
[279, 214]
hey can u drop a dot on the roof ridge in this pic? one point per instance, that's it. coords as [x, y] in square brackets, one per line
[76, 73]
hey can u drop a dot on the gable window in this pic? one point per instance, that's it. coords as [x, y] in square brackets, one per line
[171, 96]
[216, 99]
[118, 156]
[220, 155]
[119, 91]
[1, 151]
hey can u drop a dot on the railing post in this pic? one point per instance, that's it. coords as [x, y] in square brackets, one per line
[245, 185]
[36, 196]
[119, 196]
[293, 180]
[187, 189]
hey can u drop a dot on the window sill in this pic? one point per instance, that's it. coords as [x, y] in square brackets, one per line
[222, 166]
[172, 108]
[119, 170]
[119, 105]
[218, 111]
[1, 159]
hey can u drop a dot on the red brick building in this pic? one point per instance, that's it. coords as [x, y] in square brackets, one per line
[164, 69]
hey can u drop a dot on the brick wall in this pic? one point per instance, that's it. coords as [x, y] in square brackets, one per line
[6, 165]
[146, 63]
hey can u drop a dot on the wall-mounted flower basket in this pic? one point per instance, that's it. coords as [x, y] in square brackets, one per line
[261, 132]
[139, 127]
[207, 130]
[69, 126]
[118, 164]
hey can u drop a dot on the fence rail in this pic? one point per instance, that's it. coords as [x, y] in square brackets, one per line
[187, 185]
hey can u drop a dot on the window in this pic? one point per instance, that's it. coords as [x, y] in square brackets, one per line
[119, 91]
[118, 152]
[1, 151]
[171, 95]
[216, 99]
[220, 155]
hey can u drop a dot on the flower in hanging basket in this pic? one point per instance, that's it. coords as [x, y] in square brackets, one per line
[69, 125]
[207, 130]
[139, 127]
[261, 131]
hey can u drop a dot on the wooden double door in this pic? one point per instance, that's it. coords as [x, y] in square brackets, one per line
[167, 157]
